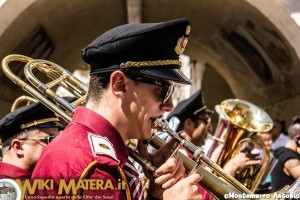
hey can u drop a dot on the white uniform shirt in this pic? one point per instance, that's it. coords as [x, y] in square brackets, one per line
[280, 141]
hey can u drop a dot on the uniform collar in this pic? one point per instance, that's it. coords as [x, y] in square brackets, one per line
[101, 126]
[13, 172]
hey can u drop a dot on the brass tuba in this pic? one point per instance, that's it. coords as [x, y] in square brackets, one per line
[239, 121]
[216, 186]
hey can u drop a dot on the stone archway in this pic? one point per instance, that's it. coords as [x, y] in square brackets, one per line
[250, 49]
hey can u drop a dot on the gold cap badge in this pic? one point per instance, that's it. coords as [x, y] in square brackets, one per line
[182, 42]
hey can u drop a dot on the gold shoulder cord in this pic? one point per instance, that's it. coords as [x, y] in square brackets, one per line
[128, 194]
[92, 164]
[87, 169]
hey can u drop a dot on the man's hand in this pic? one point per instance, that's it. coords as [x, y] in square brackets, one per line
[184, 189]
[239, 162]
[169, 170]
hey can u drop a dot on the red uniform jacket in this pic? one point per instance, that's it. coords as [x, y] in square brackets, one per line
[13, 172]
[87, 138]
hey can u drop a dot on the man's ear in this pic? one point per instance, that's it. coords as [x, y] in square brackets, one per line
[118, 81]
[17, 147]
[188, 125]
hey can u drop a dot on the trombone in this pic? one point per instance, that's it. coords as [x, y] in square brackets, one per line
[22, 100]
[218, 187]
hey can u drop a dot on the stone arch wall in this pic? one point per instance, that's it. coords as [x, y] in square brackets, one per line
[213, 43]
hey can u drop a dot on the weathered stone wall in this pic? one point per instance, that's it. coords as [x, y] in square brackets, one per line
[284, 110]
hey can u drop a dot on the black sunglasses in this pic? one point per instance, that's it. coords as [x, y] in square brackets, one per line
[46, 140]
[167, 88]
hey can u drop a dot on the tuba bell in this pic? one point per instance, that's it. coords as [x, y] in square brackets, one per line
[239, 121]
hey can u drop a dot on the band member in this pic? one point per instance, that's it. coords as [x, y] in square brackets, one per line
[193, 117]
[278, 137]
[265, 185]
[287, 169]
[24, 133]
[133, 71]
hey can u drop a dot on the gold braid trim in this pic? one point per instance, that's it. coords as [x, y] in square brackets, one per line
[85, 172]
[87, 169]
[150, 63]
[92, 164]
[40, 121]
[128, 193]
[199, 110]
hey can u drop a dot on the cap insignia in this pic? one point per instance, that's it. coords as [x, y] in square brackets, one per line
[188, 30]
[182, 42]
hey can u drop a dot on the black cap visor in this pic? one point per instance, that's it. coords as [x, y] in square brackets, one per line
[51, 125]
[171, 74]
[208, 111]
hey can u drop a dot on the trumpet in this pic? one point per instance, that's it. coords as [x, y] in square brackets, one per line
[216, 186]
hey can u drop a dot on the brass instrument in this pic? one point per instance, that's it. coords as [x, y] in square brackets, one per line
[216, 186]
[199, 155]
[58, 76]
[238, 122]
[22, 99]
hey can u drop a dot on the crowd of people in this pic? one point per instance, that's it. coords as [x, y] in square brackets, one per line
[133, 69]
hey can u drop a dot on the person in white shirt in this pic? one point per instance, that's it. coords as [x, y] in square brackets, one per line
[278, 138]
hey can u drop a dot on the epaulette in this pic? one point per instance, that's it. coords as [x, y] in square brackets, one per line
[102, 146]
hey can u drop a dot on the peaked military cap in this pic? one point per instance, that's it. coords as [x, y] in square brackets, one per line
[189, 107]
[33, 115]
[151, 49]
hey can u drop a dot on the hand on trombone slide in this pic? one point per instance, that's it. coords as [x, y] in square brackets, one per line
[169, 173]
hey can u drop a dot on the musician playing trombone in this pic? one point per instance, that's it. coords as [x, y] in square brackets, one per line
[133, 71]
